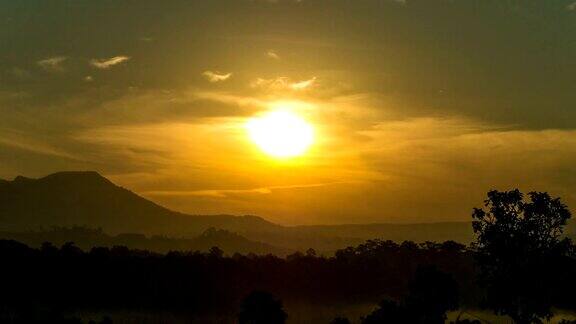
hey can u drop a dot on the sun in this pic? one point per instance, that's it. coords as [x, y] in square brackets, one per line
[281, 133]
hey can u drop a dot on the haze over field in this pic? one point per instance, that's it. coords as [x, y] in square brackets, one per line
[407, 111]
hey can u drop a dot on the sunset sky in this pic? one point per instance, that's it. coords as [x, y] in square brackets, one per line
[418, 107]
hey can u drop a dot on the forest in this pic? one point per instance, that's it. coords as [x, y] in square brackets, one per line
[519, 266]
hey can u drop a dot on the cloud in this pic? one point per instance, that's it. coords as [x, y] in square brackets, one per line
[18, 140]
[139, 107]
[303, 84]
[108, 63]
[216, 76]
[272, 54]
[222, 193]
[462, 151]
[283, 83]
[52, 63]
[572, 6]
[448, 162]
[88, 78]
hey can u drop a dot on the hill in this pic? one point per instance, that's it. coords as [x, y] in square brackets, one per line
[88, 199]
[68, 199]
[87, 239]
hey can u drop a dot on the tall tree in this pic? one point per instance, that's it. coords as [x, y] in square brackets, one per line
[518, 244]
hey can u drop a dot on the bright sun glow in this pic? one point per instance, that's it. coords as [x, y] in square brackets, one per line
[281, 133]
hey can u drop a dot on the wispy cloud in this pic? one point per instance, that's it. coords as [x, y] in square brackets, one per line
[216, 76]
[272, 54]
[572, 6]
[17, 140]
[283, 83]
[226, 192]
[52, 63]
[108, 63]
[301, 85]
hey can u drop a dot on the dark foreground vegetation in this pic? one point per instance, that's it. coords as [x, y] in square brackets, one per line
[520, 266]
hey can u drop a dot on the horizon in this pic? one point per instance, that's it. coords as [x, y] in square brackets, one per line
[262, 217]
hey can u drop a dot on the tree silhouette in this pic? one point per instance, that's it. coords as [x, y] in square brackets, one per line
[261, 307]
[311, 252]
[431, 294]
[206, 284]
[388, 312]
[216, 252]
[518, 248]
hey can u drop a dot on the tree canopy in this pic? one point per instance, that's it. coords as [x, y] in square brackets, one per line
[520, 250]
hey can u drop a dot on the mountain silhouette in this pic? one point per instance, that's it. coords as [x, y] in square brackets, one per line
[89, 199]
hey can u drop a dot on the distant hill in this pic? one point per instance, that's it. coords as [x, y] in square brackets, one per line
[442, 231]
[87, 199]
[86, 239]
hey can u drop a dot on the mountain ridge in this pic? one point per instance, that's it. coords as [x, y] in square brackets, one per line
[63, 199]
[86, 198]
[97, 177]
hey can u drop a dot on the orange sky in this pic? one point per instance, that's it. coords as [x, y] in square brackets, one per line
[418, 107]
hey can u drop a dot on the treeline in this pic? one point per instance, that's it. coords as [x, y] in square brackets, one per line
[67, 278]
[86, 238]
[519, 266]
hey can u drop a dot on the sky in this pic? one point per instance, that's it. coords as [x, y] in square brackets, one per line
[419, 107]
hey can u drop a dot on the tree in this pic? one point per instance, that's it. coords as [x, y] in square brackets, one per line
[517, 246]
[311, 252]
[431, 294]
[261, 307]
[388, 312]
[216, 252]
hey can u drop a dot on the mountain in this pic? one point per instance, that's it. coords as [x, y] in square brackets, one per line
[88, 199]
[68, 199]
